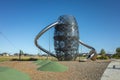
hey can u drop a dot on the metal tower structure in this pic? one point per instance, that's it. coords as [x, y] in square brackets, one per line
[66, 39]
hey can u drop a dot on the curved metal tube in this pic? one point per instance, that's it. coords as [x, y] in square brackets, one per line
[92, 53]
[39, 35]
[86, 45]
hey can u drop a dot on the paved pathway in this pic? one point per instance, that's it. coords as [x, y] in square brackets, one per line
[112, 72]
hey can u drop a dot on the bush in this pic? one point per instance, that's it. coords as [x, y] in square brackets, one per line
[103, 57]
[116, 56]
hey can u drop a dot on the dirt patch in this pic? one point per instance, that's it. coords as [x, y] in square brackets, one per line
[91, 70]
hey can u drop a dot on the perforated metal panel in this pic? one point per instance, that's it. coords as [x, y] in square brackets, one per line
[66, 35]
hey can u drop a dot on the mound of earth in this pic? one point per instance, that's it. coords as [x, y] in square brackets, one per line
[47, 65]
[12, 74]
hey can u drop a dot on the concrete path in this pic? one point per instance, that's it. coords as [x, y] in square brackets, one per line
[112, 72]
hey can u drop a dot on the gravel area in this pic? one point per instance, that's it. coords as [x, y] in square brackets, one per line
[90, 70]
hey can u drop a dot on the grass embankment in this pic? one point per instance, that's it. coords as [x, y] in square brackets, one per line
[12, 74]
[47, 65]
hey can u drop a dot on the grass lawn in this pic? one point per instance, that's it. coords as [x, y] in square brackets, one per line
[12, 74]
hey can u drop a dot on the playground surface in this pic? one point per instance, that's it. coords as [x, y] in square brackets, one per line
[112, 72]
[90, 70]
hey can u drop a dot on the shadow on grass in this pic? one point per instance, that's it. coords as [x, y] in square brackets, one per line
[30, 59]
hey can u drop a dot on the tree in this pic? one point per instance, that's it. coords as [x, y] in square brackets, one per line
[102, 52]
[103, 55]
[118, 51]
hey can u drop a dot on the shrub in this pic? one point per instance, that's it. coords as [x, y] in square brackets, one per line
[117, 54]
[103, 57]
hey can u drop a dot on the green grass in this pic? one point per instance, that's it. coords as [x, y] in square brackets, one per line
[47, 65]
[12, 74]
[42, 62]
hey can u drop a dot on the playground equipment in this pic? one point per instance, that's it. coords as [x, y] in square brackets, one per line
[66, 39]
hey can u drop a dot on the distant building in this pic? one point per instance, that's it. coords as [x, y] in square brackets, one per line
[5, 54]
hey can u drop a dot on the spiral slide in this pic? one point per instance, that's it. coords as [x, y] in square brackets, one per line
[92, 54]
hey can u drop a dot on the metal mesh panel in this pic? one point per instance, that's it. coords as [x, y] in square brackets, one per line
[66, 35]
